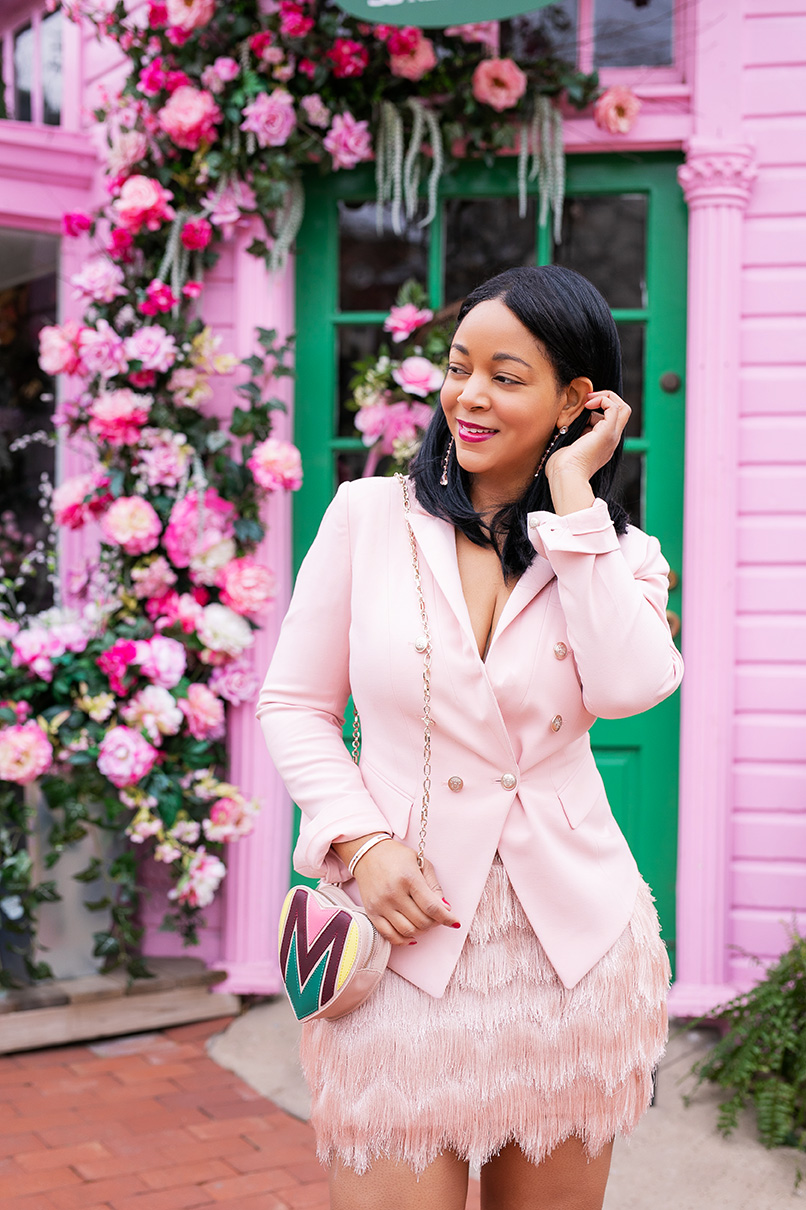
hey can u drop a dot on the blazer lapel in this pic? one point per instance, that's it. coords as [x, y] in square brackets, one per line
[436, 542]
[533, 580]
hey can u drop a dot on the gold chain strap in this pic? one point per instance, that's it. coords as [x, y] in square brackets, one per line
[423, 644]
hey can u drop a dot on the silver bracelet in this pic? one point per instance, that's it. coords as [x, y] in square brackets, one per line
[365, 848]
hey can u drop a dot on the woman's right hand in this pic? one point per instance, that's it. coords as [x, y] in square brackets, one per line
[399, 898]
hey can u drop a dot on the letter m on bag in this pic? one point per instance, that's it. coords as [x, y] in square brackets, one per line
[310, 967]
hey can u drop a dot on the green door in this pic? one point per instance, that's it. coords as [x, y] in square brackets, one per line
[624, 227]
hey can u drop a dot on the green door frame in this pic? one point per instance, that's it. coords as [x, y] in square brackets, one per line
[652, 831]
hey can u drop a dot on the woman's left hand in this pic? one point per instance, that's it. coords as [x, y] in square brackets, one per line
[599, 440]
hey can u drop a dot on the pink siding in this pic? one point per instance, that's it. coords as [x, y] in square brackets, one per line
[768, 823]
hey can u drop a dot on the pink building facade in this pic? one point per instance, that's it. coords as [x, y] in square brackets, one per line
[732, 105]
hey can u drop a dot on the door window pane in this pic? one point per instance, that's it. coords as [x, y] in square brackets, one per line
[549, 31]
[372, 265]
[632, 487]
[51, 41]
[633, 33]
[23, 73]
[483, 237]
[632, 359]
[356, 343]
[604, 238]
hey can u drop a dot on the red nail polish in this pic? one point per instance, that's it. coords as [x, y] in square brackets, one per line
[456, 926]
[447, 905]
[412, 943]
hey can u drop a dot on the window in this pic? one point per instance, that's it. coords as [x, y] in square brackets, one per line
[606, 35]
[32, 61]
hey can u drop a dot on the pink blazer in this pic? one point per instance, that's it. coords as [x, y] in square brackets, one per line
[583, 634]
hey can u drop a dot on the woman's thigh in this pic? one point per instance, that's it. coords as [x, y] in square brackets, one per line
[393, 1186]
[566, 1179]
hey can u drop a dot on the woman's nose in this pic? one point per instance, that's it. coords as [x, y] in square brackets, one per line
[473, 394]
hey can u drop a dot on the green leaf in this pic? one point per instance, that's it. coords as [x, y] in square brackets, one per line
[247, 531]
[106, 946]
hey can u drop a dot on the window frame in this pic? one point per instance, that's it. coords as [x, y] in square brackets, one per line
[34, 16]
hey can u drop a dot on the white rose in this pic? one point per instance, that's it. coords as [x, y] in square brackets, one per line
[206, 565]
[222, 629]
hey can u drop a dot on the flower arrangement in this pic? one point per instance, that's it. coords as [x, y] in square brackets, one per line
[394, 395]
[118, 710]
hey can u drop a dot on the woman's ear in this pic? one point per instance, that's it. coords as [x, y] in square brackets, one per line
[574, 396]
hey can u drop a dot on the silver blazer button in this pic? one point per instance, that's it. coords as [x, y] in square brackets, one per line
[509, 781]
[560, 651]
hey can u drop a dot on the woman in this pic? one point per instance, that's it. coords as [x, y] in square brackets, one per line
[523, 1010]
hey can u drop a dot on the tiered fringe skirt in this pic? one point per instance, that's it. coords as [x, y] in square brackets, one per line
[507, 1055]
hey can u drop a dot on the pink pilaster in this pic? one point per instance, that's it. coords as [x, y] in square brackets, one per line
[258, 866]
[716, 180]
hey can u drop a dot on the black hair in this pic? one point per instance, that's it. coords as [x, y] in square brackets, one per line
[572, 321]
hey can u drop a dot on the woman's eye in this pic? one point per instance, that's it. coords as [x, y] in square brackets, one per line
[456, 370]
[503, 378]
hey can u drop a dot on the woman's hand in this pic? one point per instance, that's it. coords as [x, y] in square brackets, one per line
[570, 470]
[400, 900]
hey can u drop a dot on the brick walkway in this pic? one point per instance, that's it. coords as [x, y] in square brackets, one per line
[149, 1123]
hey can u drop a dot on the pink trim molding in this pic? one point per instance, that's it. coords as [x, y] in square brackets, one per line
[716, 179]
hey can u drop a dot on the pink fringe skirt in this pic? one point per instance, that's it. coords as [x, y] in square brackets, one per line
[507, 1055]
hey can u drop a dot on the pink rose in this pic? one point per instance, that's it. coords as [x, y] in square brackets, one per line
[236, 682]
[142, 203]
[349, 58]
[348, 141]
[188, 15]
[413, 64]
[315, 109]
[152, 346]
[196, 234]
[200, 881]
[230, 819]
[418, 376]
[391, 423]
[75, 222]
[155, 711]
[219, 73]
[499, 83]
[125, 757]
[163, 458]
[204, 713]
[188, 535]
[226, 209]
[25, 753]
[116, 663]
[80, 498]
[246, 586]
[154, 578]
[59, 348]
[127, 148]
[270, 117]
[35, 649]
[133, 524]
[159, 297]
[616, 110]
[116, 417]
[276, 464]
[101, 350]
[189, 117]
[402, 321]
[192, 289]
[162, 661]
[120, 242]
[100, 280]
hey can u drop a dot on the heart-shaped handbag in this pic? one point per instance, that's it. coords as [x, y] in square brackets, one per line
[331, 955]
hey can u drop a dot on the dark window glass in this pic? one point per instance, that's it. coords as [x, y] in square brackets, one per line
[632, 487]
[549, 31]
[632, 357]
[633, 33]
[51, 36]
[604, 238]
[23, 73]
[28, 290]
[355, 344]
[483, 237]
[372, 265]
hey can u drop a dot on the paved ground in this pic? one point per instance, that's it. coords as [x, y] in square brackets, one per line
[153, 1122]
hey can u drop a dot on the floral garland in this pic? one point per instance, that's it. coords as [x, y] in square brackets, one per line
[117, 710]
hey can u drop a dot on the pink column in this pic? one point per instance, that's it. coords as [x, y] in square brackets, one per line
[258, 867]
[716, 180]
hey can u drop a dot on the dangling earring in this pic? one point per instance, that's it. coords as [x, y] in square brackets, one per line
[444, 478]
[560, 433]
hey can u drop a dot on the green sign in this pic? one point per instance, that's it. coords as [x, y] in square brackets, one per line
[436, 14]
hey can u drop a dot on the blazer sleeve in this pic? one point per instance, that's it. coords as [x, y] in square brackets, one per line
[303, 700]
[613, 593]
